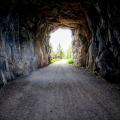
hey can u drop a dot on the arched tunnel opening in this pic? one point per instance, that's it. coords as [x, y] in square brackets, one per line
[25, 29]
[60, 44]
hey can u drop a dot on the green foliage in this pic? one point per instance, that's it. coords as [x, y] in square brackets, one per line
[60, 52]
[69, 56]
[69, 53]
[54, 60]
[70, 61]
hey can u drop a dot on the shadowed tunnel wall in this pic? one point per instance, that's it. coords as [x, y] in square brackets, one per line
[25, 28]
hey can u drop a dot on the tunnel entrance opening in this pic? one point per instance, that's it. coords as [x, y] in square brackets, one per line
[60, 44]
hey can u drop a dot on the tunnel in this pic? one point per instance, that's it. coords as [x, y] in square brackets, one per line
[25, 27]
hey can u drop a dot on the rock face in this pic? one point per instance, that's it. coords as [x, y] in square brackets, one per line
[101, 52]
[80, 46]
[105, 39]
[25, 28]
[19, 51]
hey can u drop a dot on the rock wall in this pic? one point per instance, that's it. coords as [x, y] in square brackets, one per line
[80, 45]
[102, 52]
[19, 49]
[42, 45]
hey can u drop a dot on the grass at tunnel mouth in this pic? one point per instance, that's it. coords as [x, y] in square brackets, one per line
[55, 60]
[70, 61]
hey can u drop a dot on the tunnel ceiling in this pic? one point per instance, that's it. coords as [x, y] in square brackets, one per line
[63, 12]
[57, 13]
[66, 13]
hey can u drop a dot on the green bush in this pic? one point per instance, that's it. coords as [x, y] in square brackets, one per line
[70, 61]
[54, 60]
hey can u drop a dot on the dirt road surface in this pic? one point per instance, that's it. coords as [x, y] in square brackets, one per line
[59, 92]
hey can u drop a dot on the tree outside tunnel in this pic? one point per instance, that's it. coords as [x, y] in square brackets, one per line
[60, 44]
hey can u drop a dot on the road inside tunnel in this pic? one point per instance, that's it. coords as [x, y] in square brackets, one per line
[59, 92]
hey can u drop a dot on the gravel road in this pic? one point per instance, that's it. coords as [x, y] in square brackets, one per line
[60, 92]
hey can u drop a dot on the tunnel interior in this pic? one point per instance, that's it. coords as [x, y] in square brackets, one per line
[25, 27]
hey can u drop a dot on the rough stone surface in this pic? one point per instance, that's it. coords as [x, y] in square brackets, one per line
[105, 42]
[19, 52]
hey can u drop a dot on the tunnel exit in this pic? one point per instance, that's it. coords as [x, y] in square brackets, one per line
[60, 44]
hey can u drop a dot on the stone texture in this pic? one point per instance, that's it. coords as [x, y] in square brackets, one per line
[101, 51]
[18, 50]
[105, 42]
[80, 48]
